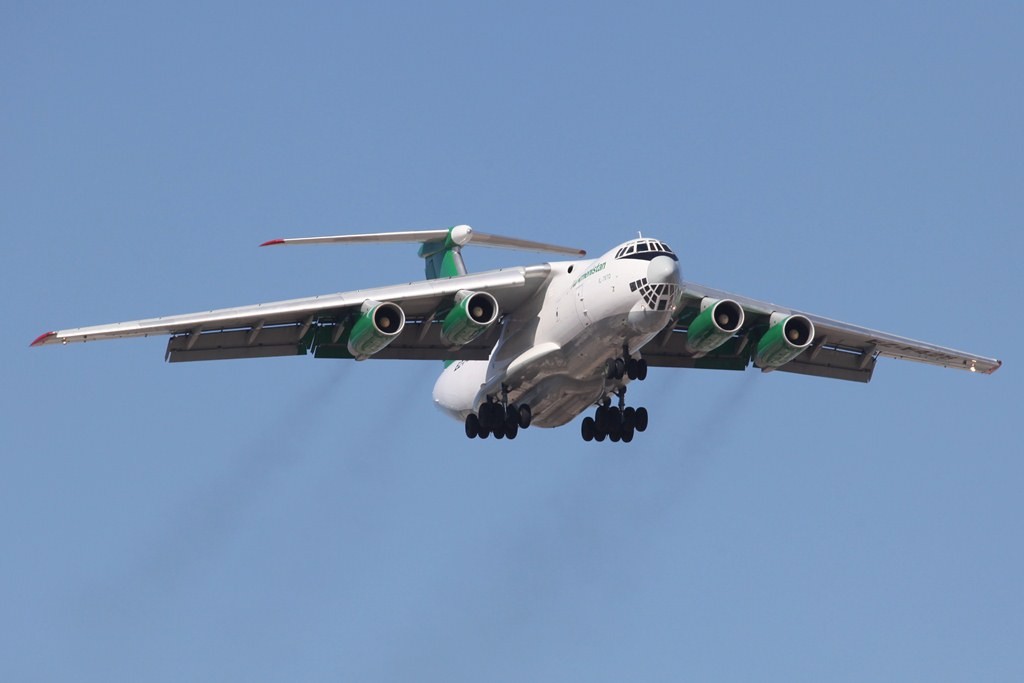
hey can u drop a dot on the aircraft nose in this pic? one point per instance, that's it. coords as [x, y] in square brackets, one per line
[663, 270]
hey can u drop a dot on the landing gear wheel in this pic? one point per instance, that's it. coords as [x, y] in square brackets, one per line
[499, 432]
[484, 414]
[613, 421]
[641, 419]
[496, 414]
[588, 430]
[629, 418]
[525, 416]
[609, 369]
[472, 425]
[620, 368]
[641, 370]
[511, 422]
[484, 433]
[632, 368]
[599, 436]
[627, 433]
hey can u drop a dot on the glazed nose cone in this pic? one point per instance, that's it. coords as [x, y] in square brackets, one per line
[663, 270]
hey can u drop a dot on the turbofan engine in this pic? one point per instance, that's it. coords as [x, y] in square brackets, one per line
[473, 313]
[718, 321]
[378, 325]
[786, 339]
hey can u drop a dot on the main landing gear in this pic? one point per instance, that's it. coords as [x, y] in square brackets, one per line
[500, 418]
[616, 423]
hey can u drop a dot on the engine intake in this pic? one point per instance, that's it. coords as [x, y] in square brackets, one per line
[786, 339]
[473, 313]
[378, 325]
[718, 321]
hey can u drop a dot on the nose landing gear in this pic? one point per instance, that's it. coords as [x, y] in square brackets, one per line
[626, 366]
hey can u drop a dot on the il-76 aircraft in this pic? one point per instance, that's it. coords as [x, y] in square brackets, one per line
[536, 345]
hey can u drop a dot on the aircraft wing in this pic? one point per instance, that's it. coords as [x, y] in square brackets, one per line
[839, 350]
[319, 324]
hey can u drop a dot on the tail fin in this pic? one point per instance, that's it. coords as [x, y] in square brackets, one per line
[441, 249]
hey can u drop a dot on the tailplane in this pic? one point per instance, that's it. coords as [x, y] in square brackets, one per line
[441, 249]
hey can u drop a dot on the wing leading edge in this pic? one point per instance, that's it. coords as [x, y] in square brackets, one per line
[840, 350]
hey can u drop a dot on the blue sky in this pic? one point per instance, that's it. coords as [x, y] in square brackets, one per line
[318, 520]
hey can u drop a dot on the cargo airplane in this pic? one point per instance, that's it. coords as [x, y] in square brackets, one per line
[536, 345]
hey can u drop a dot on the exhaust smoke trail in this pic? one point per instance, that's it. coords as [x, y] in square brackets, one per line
[580, 547]
[213, 516]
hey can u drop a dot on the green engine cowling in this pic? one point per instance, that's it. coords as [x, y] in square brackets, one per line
[717, 322]
[786, 339]
[378, 325]
[472, 314]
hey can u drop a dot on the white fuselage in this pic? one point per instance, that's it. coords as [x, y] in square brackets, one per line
[552, 352]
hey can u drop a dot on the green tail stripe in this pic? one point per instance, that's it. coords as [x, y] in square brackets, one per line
[443, 258]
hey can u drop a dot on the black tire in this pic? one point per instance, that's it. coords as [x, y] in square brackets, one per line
[525, 416]
[511, 421]
[512, 430]
[499, 433]
[614, 436]
[588, 430]
[629, 418]
[495, 416]
[641, 370]
[627, 434]
[641, 419]
[600, 415]
[472, 425]
[511, 414]
[599, 436]
[632, 368]
[483, 433]
[613, 419]
[620, 368]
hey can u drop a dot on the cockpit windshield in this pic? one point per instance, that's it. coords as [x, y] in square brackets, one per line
[645, 249]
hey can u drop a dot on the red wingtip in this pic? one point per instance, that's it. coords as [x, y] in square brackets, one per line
[583, 252]
[271, 242]
[42, 338]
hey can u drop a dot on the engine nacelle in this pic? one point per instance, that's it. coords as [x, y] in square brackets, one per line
[473, 313]
[378, 325]
[786, 339]
[718, 321]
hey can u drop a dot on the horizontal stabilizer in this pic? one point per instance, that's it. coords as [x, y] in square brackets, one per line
[460, 235]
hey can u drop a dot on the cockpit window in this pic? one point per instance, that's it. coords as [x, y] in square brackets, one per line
[645, 249]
